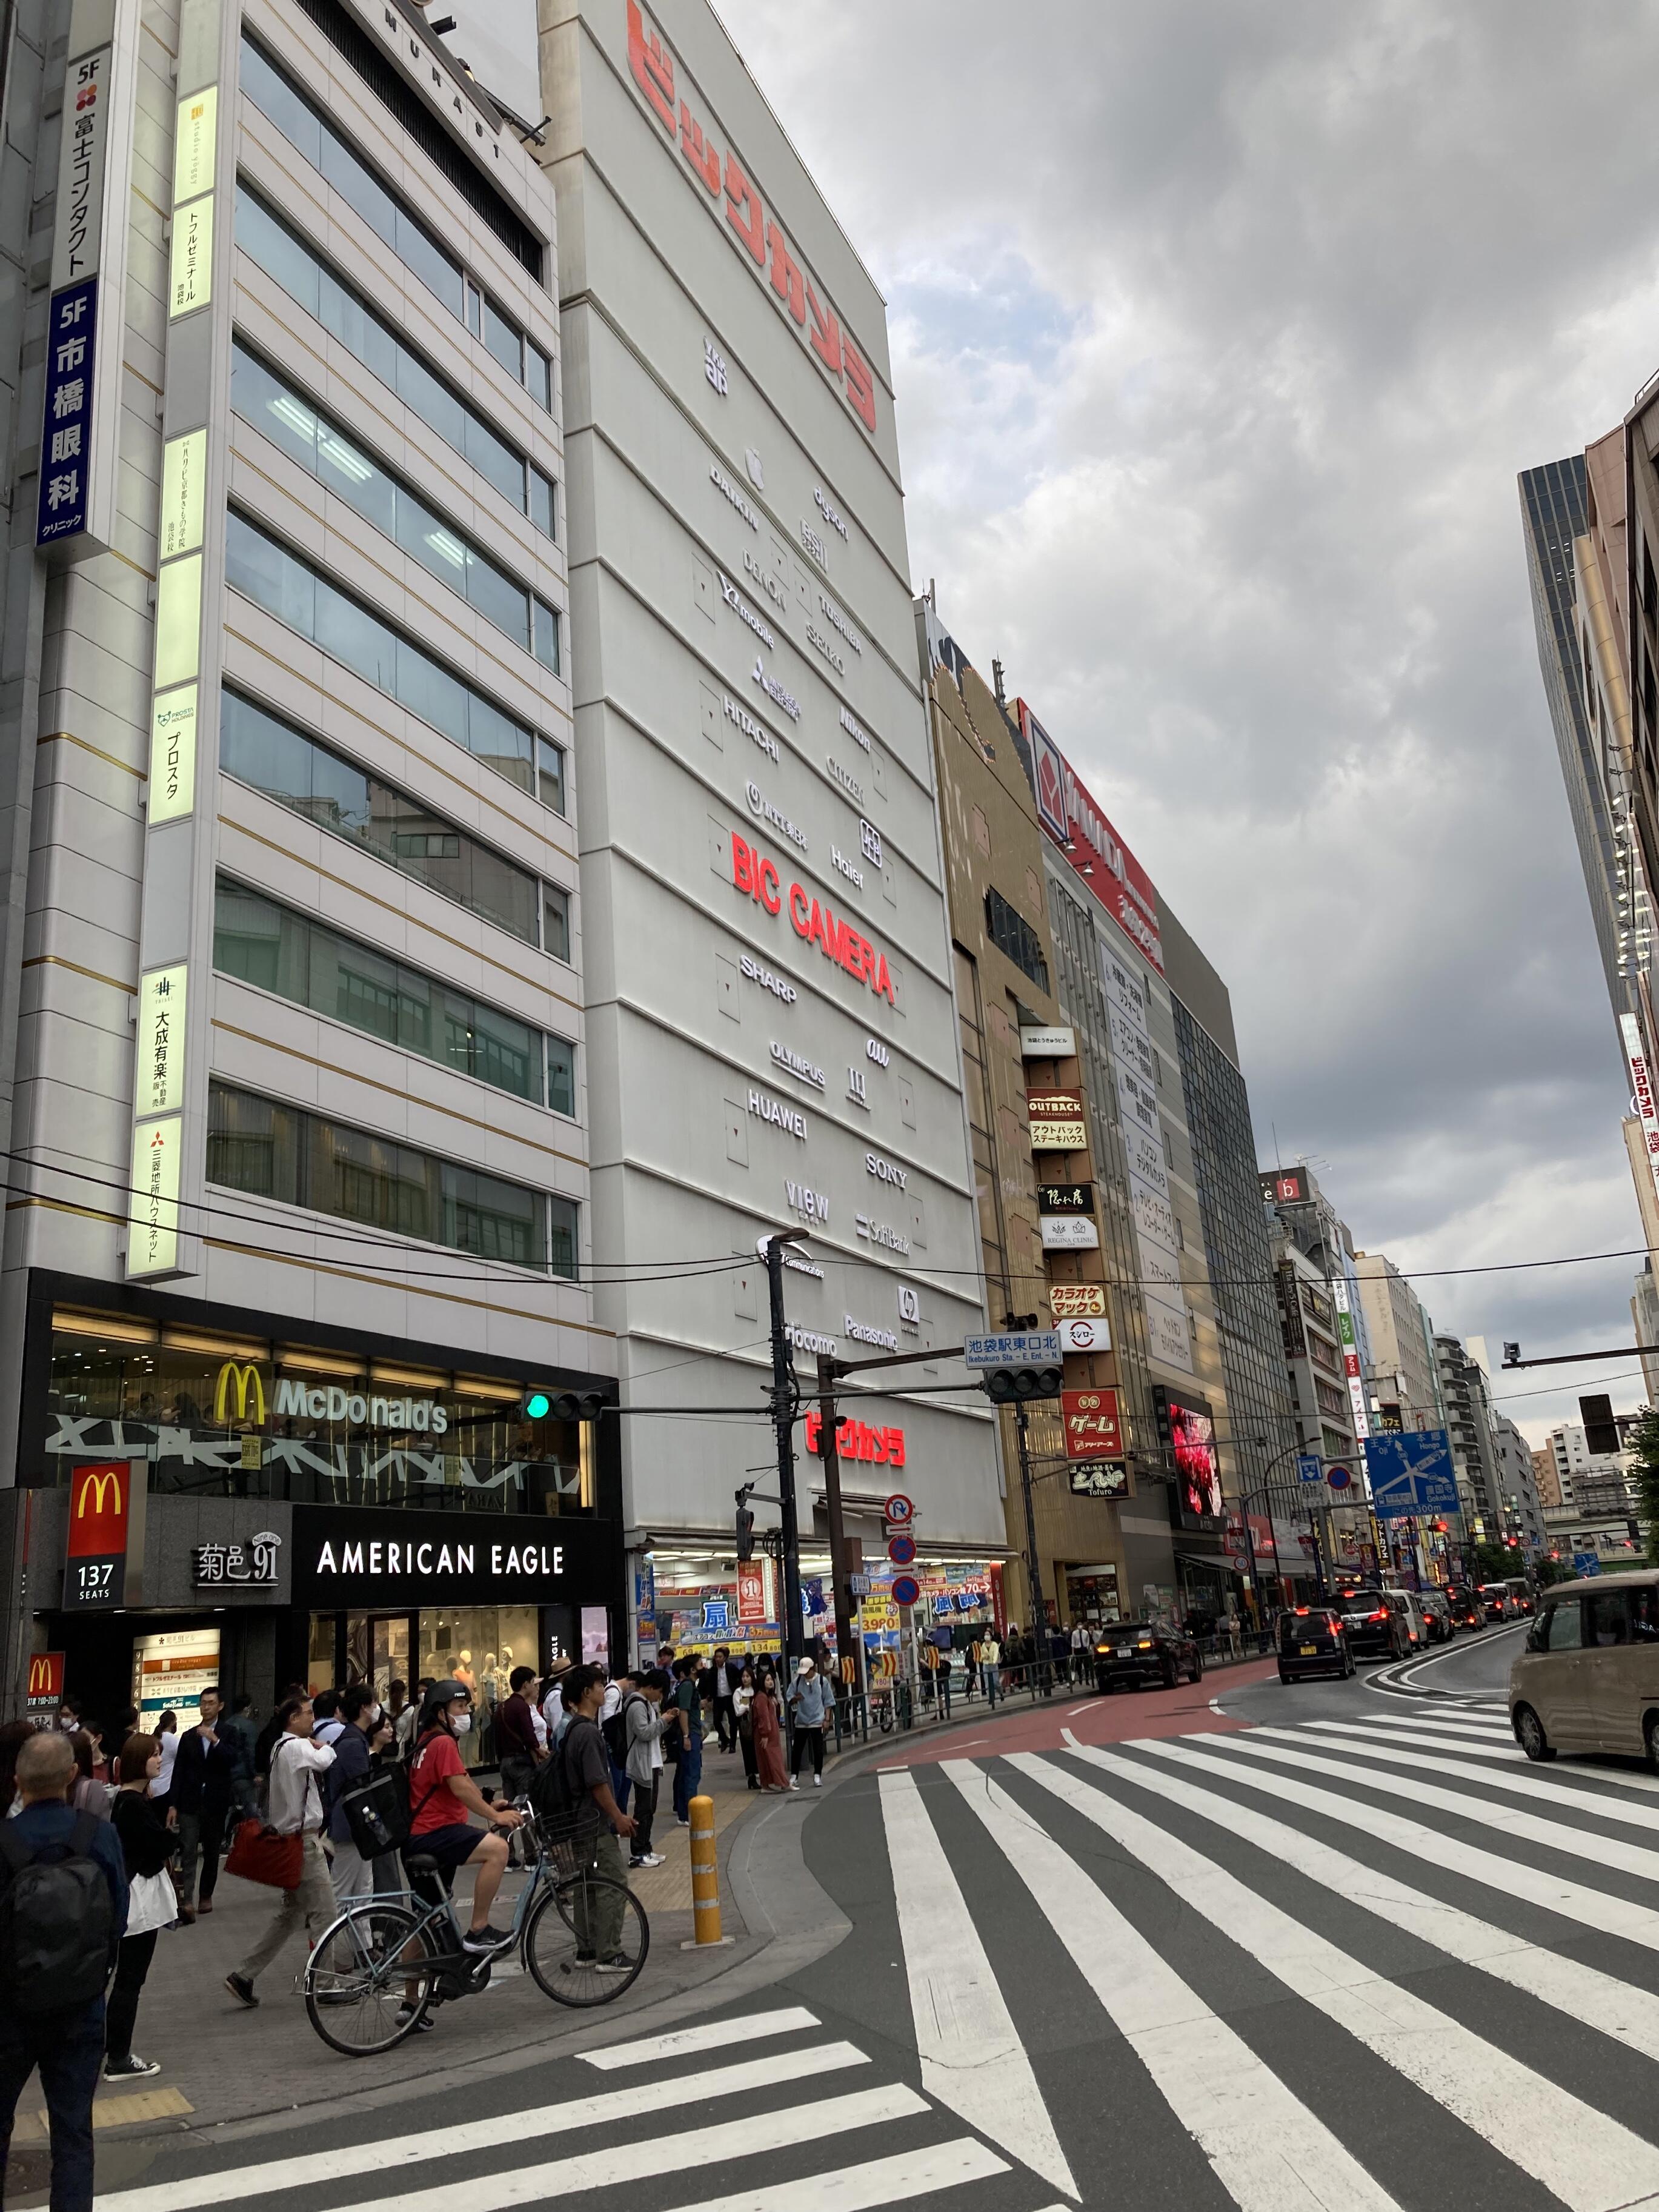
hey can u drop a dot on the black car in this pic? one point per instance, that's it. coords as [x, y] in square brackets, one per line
[1135, 1652]
[1467, 1610]
[1375, 1626]
[1311, 1639]
[1438, 1616]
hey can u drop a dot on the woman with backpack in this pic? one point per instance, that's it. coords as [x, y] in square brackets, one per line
[147, 1844]
[643, 1725]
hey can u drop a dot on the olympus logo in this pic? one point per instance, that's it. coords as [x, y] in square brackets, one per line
[796, 1063]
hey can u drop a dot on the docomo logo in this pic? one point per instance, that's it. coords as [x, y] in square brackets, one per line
[753, 873]
[653, 70]
[857, 1440]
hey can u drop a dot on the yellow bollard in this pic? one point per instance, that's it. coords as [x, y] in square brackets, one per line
[705, 1878]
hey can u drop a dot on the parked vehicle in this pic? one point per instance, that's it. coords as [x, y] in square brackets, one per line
[1311, 1639]
[1588, 1676]
[1375, 1624]
[1136, 1652]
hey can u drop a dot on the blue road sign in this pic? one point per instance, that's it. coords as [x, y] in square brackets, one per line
[1411, 1474]
[1035, 1348]
[1309, 1467]
[1586, 1563]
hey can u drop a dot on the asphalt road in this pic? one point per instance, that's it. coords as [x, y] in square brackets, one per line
[1329, 1948]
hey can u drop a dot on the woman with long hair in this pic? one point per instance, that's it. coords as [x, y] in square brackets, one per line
[87, 1793]
[769, 1736]
[146, 1845]
[742, 1707]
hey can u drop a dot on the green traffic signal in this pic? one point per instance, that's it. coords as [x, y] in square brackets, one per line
[537, 1406]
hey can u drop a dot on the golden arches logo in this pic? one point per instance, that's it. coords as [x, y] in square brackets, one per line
[248, 1382]
[41, 1672]
[96, 1487]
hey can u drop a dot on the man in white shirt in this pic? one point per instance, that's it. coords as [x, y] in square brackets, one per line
[553, 1711]
[294, 1807]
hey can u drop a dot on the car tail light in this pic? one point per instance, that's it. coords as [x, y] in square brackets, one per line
[1383, 1615]
[1301, 1611]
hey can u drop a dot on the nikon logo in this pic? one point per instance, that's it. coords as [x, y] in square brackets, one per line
[423, 1416]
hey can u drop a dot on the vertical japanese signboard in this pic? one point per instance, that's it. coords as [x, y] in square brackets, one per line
[80, 419]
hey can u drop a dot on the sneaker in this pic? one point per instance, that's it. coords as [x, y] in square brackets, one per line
[126, 2070]
[423, 2026]
[680, 1822]
[817, 1782]
[795, 1782]
[617, 1964]
[241, 1989]
[485, 1939]
[651, 1858]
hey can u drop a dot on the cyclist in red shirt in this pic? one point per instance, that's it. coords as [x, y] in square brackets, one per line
[441, 1794]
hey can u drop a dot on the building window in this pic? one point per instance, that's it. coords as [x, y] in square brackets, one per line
[290, 261]
[282, 103]
[270, 946]
[1014, 937]
[289, 588]
[274, 1150]
[562, 1075]
[272, 756]
[282, 414]
[555, 924]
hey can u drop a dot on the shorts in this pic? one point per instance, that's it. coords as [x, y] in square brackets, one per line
[451, 1847]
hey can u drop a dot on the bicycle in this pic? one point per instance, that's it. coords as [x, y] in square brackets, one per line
[378, 1969]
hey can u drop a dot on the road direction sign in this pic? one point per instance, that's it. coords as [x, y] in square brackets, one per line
[898, 1512]
[1586, 1563]
[906, 1590]
[1037, 1347]
[1309, 1467]
[1411, 1474]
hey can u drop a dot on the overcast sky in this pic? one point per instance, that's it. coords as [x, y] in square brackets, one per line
[1219, 336]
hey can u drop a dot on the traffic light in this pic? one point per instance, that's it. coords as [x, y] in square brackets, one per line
[746, 1532]
[1004, 1386]
[560, 1404]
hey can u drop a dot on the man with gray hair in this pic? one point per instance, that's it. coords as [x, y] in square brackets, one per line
[62, 1912]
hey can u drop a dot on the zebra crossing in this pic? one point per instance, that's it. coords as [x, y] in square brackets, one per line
[1370, 1963]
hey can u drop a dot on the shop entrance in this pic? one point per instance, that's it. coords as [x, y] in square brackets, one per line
[360, 1647]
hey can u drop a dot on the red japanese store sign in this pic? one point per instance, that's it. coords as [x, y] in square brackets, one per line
[1092, 1429]
[753, 873]
[857, 1440]
[756, 235]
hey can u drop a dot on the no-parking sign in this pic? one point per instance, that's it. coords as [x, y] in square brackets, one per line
[906, 1590]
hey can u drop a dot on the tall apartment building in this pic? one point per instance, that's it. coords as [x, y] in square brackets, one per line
[1468, 1422]
[1402, 1380]
[1520, 1507]
[291, 1051]
[771, 1033]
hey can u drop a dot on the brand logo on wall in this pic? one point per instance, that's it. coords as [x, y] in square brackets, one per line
[104, 1551]
[857, 1440]
[252, 1565]
[243, 1376]
[755, 873]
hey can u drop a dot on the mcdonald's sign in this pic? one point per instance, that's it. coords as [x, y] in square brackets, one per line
[244, 1378]
[45, 1689]
[104, 1551]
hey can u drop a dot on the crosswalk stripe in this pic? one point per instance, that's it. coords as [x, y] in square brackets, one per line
[1555, 1835]
[1460, 1724]
[1528, 1783]
[859, 2187]
[646, 2049]
[972, 2057]
[345, 2158]
[1591, 2162]
[1592, 1908]
[1584, 1994]
[758, 2133]
[1494, 1745]
[1502, 1746]
[1270, 2152]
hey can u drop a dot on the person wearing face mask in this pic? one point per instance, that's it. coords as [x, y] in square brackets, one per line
[294, 1808]
[365, 1730]
[441, 1793]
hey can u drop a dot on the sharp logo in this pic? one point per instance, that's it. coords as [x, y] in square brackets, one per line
[249, 1385]
[96, 1486]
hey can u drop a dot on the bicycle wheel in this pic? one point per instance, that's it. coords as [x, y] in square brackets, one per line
[586, 1940]
[372, 1962]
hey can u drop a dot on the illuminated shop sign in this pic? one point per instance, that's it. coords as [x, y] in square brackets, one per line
[754, 232]
[1057, 1121]
[857, 1440]
[342, 1554]
[753, 872]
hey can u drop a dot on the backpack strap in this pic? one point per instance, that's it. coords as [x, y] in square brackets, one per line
[83, 1834]
[13, 1850]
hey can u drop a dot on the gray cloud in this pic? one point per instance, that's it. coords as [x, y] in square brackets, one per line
[1219, 337]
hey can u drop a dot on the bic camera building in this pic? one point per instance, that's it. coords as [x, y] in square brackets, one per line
[292, 950]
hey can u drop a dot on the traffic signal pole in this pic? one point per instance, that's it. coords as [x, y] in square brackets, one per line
[1039, 1620]
[849, 1645]
[783, 1419]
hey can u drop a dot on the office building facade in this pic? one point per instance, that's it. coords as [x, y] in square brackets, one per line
[293, 1008]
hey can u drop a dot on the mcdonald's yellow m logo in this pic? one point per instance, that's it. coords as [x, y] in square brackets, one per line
[96, 1487]
[41, 1672]
[249, 1383]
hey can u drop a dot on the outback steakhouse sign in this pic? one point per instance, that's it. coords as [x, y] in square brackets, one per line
[753, 873]
[724, 187]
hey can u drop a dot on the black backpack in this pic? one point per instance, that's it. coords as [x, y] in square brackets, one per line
[377, 1811]
[56, 1920]
[615, 1731]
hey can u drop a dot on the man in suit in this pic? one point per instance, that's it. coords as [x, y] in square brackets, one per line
[203, 1780]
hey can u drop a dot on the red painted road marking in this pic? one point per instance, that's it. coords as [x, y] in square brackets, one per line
[1118, 1718]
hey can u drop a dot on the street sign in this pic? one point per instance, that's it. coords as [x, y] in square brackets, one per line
[858, 1585]
[898, 1512]
[1037, 1347]
[1309, 1467]
[901, 1551]
[1092, 1428]
[1586, 1563]
[906, 1590]
[1411, 1474]
[1339, 1477]
[1084, 1336]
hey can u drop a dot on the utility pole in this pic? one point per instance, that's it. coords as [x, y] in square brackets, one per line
[848, 1644]
[1039, 1620]
[783, 1416]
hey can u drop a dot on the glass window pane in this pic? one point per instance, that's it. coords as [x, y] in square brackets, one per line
[358, 481]
[273, 95]
[549, 771]
[474, 309]
[419, 1010]
[497, 1220]
[433, 402]
[541, 502]
[498, 598]
[264, 752]
[503, 337]
[556, 938]
[277, 252]
[538, 374]
[351, 635]
[562, 1248]
[494, 459]
[506, 895]
[562, 1075]
[360, 331]
[417, 251]
[258, 566]
[497, 738]
[547, 635]
[433, 693]
[258, 941]
[359, 188]
[253, 1144]
[339, 795]
[349, 984]
[507, 1053]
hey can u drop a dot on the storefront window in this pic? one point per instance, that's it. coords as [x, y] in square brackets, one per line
[479, 1645]
[224, 1416]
